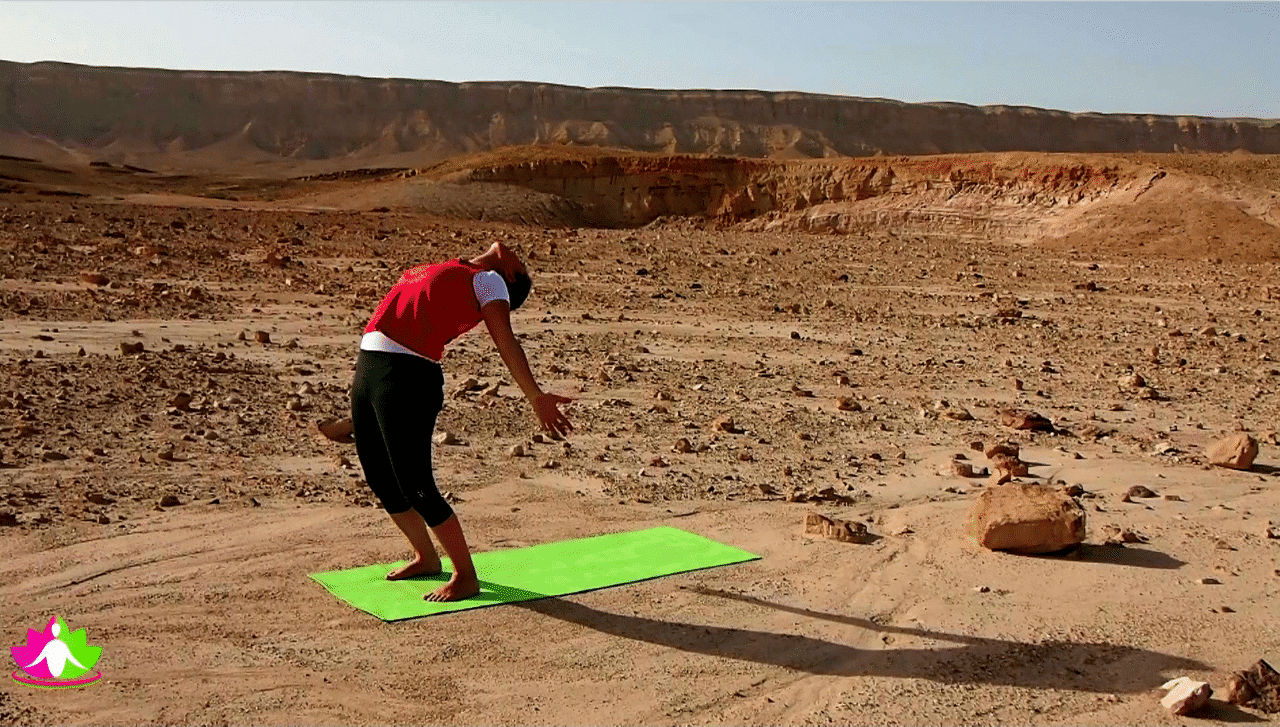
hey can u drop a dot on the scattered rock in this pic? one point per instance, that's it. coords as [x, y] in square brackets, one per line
[1185, 695]
[181, 401]
[98, 498]
[337, 430]
[947, 410]
[725, 424]
[963, 469]
[999, 477]
[1236, 452]
[1257, 687]
[682, 446]
[1014, 466]
[845, 531]
[276, 259]
[262, 337]
[1073, 490]
[847, 403]
[1114, 536]
[1209, 582]
[94, 278]
[1026, 518]
[1023, 419]
[1271, 531]
[128, 348]
[1005, 449]
[53, 456]
[517, 450]
[446, 437]
[170, 501]
[1132, 381]
[1139, 491]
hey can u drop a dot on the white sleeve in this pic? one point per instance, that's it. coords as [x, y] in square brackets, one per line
[489, 286]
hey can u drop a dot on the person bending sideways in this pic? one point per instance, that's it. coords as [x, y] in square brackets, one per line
[398, 391]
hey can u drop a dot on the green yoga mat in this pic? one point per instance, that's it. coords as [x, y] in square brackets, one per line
[524, 574]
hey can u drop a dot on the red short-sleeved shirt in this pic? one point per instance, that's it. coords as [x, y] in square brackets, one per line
[428, 307]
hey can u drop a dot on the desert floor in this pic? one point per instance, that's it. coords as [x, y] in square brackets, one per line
[205, 612]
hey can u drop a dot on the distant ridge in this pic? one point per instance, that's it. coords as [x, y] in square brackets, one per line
[316, 122]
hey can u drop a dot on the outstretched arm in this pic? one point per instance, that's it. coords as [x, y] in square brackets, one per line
[497, 317]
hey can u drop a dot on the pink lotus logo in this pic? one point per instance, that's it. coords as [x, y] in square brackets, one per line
[55, 658]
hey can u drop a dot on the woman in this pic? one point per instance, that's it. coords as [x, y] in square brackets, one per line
[398, 392]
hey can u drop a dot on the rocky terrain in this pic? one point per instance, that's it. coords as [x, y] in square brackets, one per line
[309, 122]
[168, 344]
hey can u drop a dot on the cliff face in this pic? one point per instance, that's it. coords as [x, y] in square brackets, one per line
[169, 118]
[957, 193]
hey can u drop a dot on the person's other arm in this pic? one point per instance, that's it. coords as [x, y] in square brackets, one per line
[546, 407]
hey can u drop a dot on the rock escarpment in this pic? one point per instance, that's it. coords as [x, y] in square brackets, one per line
[955, 195]
[172, 119]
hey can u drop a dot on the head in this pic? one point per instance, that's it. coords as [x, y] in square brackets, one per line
[504, 261]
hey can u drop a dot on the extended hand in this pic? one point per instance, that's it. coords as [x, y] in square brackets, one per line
[547, 408]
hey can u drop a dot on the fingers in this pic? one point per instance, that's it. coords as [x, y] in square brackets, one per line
[558, 425]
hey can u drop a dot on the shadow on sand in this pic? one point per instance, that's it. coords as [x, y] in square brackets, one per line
[1126, 555]
[1083, 667]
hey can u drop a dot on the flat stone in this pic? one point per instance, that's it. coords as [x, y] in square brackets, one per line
[1185, 695]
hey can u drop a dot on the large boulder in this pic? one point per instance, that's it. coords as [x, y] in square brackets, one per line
[1026, 518]
[1236, 452]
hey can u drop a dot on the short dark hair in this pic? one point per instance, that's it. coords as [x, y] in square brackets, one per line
[519, 288]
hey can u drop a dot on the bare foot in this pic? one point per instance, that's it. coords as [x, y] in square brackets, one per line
[455, 590]
[419, 566]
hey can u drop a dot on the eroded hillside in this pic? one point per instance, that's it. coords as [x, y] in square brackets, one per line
[309, 122]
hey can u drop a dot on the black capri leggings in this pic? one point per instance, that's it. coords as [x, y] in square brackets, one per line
[395, 399]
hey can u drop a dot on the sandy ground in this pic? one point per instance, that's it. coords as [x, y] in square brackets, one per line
[206, 615]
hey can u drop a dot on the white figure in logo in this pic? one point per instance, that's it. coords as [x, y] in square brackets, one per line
[55, 654]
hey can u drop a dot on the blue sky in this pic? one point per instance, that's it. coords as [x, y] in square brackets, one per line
[1207, 59]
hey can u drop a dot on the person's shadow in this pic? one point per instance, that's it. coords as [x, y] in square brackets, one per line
[1078, 666]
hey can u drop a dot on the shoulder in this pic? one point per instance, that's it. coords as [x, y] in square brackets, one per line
[489, 286]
